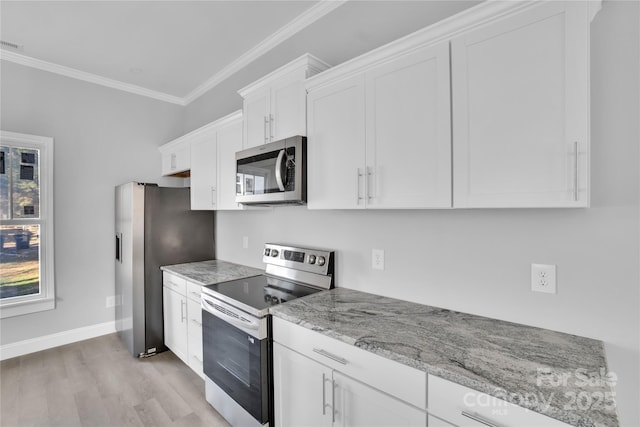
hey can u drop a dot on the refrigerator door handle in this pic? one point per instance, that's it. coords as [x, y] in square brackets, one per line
[118, 250]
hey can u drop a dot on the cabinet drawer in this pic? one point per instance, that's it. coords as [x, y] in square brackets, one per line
[195, 354]
[448, 400]
[175, 283]
[394, 378]
[194, 291]
[194, 316]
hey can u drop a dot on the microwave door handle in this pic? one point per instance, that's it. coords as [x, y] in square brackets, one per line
[279, 170]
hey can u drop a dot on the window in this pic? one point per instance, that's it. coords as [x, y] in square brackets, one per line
[26, 224]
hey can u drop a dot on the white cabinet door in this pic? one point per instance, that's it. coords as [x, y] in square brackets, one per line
[288, 108]
[203, 174]
[301, 390]
[229, 142]
[520, 110]
[358, 405]
[336, 159]
[256, 118]
[175, 323]
[409, 131]
[176, 159]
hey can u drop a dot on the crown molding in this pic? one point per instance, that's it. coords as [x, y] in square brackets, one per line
[302, 21]
[28, 61]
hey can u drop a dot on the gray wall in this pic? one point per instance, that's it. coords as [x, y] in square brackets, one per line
[478, 261]
[102, 138]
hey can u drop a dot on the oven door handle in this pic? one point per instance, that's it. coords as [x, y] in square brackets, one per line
[229, 314]
[279, 180]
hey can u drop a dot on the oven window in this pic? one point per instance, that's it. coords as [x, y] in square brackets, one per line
[237, 363]
[257, 174]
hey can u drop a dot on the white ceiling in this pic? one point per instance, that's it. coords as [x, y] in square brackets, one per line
[177, 50]
[165, 46]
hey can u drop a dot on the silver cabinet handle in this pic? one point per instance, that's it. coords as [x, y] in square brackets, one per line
[370, 175]
[324, 403]
[195, 294]
[173, 161]
[196, 322]
[478, 418]
[213, 196]
[330, 356]
[270, 127]
[333, 401]
[358, 176]
[182, 316]
[266, 136]
[576, 178]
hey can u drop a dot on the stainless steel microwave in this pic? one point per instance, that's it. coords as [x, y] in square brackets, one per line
[273, 173]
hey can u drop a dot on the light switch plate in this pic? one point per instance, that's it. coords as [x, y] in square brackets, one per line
[543, 278]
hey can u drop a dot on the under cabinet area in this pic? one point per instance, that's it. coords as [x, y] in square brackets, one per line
[183, 320]
[382, 138]
[274, 107]
[332, 383]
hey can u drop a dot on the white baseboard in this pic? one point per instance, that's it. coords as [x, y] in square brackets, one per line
[20, 348]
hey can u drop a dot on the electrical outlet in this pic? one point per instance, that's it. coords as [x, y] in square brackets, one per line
[245, 242]
[111, 301]
[377, 259]
[543, 278]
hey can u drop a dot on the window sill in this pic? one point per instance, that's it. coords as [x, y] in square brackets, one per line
[19, 308]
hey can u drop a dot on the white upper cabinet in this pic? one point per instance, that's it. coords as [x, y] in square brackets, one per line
[274, 107]
[335, 146]
[229, 142]
[176, 158]
[521, 109]
[382, 138]
[408, 131]
[203, 172]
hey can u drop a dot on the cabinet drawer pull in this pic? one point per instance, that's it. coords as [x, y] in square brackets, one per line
[478, 418]
[576, 177]
[197, 294]
[266, 136]
[358, 176]
[330, 356]
[196, 322]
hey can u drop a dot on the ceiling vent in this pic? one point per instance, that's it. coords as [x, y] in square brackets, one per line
[9, 45]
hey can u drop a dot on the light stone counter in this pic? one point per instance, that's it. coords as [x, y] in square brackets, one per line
[210, 272]
[503, 359]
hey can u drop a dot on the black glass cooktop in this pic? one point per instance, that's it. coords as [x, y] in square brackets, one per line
[257, 293]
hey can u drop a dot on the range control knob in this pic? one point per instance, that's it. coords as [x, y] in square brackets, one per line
[267, 252]
[312, 259]
[274, 253]
[321, 261]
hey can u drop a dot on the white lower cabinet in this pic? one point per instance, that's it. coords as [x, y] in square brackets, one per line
[319, 381]
[183, 320]
[175, 322]
[461, 406]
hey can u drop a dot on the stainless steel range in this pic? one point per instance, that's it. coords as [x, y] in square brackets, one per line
[236, 328]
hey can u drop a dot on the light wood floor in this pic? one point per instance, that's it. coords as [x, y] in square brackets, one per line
[97, 383]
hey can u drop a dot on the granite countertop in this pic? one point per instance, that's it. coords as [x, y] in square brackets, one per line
[539, 369]
[210, 272]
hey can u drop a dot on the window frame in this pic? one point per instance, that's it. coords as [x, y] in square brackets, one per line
[45, 300]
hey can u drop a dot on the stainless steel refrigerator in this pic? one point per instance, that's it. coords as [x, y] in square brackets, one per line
[154, 226]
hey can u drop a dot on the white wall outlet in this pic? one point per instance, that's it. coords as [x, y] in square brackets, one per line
[377, 259]
[543, 278]
[245, 242]
[111, 301]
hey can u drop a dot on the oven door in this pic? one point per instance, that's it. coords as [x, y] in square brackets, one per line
[238, 362]
[271, 173]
